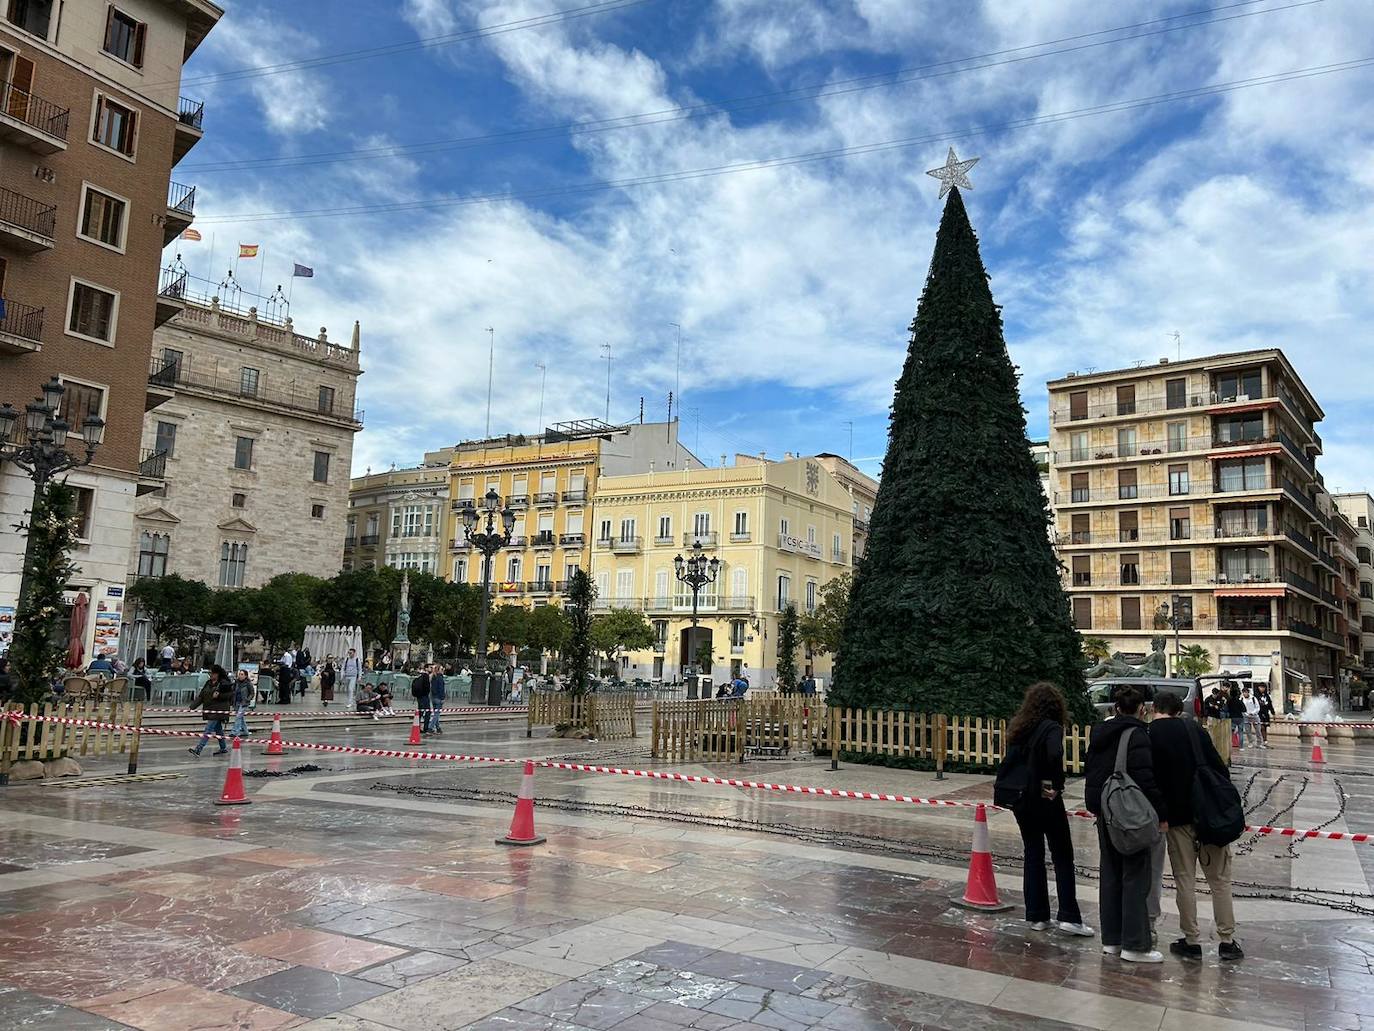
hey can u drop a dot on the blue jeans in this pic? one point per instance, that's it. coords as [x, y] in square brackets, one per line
[215, 728]
[432, 717]
[1238, 729]
[241, 722]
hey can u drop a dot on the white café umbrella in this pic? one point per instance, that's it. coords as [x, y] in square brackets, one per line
[224, 651]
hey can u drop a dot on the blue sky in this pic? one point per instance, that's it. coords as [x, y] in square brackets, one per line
[1239, 219]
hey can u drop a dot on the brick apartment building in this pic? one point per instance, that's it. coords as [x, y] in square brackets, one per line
[91, 125]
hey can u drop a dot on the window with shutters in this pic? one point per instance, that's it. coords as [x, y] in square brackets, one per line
[1180, 524]
[1127, 527]
[102, 217]
[152, 554]
[80, 401]
[1127, 487]
[125, 37]
[1180, 567]
[31, 15]
[624, 585]
[93, 312]
[784, 591]
[115, 126]
[1082, 571]
[1130, 568]
[1130, 613]
[166, 440]
[1080, 529]
[1078, 487]
[1078, 446]
[627, 529]
[1177, 435]
[1078, 405]
[665, 528]
[326, 400]
[243, 452]
[1178, 480]
[604, 532]
[1175, 394]
[701, 523]
[1125, 400]
[1083, 613]
[1125, 442]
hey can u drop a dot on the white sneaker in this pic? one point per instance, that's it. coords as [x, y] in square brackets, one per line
[1040, 925]
[1153, 956]
[1111, 950]
[1082, 930]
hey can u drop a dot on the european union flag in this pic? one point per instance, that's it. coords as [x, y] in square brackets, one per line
[303, 272]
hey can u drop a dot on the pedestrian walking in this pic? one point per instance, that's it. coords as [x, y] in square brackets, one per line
[304, 669]
[285, 673]
[243, 696]
[350, 673]
[166, 656]
[1122, 745]
[438, 690]
[419, 690]
[1266, 712]
[1235, 709]
[214, 702]
[1175, 747]
[1252, 717]
[327, 678]
[1030, 781]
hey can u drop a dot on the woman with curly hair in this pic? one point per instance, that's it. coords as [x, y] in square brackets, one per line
[1035, 745]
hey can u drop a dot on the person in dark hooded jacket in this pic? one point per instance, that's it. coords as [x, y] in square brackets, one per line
[1124, 888]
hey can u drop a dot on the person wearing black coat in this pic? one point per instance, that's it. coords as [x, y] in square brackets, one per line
[1176, 767]
[1235, 710]
[419, 690]
[1125, 881]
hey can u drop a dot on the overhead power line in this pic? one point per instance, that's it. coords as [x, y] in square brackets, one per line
[752, 102]
[425, 43]
[683, 175]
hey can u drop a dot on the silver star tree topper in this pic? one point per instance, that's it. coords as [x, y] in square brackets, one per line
[953, 173]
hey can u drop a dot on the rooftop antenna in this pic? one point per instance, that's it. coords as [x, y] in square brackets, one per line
[491, 365]
[606, 352]
[696, 418]
[543, 375]
[851, 440]
[1178, 344]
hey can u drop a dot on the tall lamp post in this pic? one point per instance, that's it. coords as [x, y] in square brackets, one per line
[1171, 620]
[42, 452]
[696, 571]
[488, 540]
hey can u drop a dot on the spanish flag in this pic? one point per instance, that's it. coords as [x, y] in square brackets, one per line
[191, 234]
[248, 250]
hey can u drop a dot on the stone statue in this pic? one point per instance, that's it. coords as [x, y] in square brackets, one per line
[403, 614]
[1154, 666]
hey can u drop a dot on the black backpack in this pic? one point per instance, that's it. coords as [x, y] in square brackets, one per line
[1017, 777]
[1218, 815]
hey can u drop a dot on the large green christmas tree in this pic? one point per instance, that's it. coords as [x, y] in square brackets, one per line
[957, 606]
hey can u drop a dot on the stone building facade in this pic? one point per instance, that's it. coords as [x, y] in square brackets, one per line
[862, 488]
[401, 518]
[257, 436]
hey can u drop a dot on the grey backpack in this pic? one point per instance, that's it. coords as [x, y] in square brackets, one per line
[1132, 823]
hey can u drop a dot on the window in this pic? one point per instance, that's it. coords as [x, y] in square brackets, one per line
[1078, 405]
[836, 547]
[1130, 568]
[605, 531]
[1078, 446]
[573, 521]
[513, 569]
[701, 523]
[174, 358]
[1366, 589]
[1251, 521]
[31, 15]
[1083, 613]
[326, 402]
[784, 527]
[116, 126]
[237, 500]
[810, 535]
[665, 527]
[417, 521]
[1125, 400]
[1241, 564]
[1178, 479]
[1082, 571]
[1180, 524]
[166, 439]
[1130, 613]
[739, 586]
[543, 575]
[1078, 487]
[1080, 529]
[80, 402]
[1244, 474]
[321, 471]
[152, 554]
[243, 452]
[316, 511]
[460, 569]
[1128, 527]
[811, 596]
[784, 590]
[125, 37]
[1125, 442]
[741, 524]
[737, 632]
[1180, 567]
[1175, 394]
[1178, 436]
[233, 559]
[1126, 485]
[248, 382]
[85, 507]
[1232, 386]
[1240, 428]
[1362, 555]
[661, 592]
[624, 585]
[627, 529]
[93, 312]
[102, 217]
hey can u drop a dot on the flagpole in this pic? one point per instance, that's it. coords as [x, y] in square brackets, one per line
[262, 267]
[210, 264]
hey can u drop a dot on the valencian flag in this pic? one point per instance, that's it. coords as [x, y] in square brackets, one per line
[191, 234]
[303, 271]
[248, 250]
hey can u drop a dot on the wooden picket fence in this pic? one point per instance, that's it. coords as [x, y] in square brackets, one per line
[727, 730]
[608, 717]
[43, 740]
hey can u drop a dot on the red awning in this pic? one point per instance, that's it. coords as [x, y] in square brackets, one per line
[1250, 592]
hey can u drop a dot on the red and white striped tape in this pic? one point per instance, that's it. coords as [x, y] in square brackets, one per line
[668, 775]
[284, 714]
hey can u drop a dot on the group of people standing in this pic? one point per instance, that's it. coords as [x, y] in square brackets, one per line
[1249, 709]
[296, 670]
[429, 690]
[1163, 759]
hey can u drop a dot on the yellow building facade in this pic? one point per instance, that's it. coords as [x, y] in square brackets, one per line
[781, 530]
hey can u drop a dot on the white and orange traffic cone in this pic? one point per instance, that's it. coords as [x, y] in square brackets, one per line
[522, 823]
[1317, 756]
[233, 793]
[415, 729]
[981, 890]
[274, 743]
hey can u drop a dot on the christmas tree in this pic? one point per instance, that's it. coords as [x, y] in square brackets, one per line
[958, 606]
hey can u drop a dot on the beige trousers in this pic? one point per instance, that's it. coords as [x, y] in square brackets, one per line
[1184, 854]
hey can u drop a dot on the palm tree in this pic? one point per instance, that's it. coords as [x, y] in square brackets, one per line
[1194, 661]
[1096, 649]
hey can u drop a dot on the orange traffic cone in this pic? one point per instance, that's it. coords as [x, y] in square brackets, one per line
[1317, 756]
[522, 824]
[274, 743]
[981, 891]
[233, 793]
[415, 729]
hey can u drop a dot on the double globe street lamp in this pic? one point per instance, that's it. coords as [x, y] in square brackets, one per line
[488, 540]
[41, 451]
[696, 571]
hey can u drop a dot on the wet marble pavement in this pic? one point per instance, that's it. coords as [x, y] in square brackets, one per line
[337, 901]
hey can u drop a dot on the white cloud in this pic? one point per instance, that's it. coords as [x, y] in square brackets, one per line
[431, 17]
[292, 102]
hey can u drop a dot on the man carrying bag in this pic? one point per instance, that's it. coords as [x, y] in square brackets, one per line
[1205, 815]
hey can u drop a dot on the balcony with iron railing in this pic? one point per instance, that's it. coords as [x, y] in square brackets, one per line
[152, 471]
[741, 537]
[21, 327]
[460, 505]
[573, 540]
[301, 400]
[1139, 406]
[546, 497]
[860, 526]
[350, 541]
[1086, 495]
[26, 225]
[544, 539]
[518, 502]
[706, 540]
[626, 545]
[574, 497]
[516, 542]
[190, 126]
[660, 646]
[1136, 449]
[31, 121]
[181, 199]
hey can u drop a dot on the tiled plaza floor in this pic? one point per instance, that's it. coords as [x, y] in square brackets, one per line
[338, 901]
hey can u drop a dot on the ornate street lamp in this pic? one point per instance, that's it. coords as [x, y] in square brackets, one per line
[696, 571]
[40, 449]
[489, 540]
[1172, 621]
